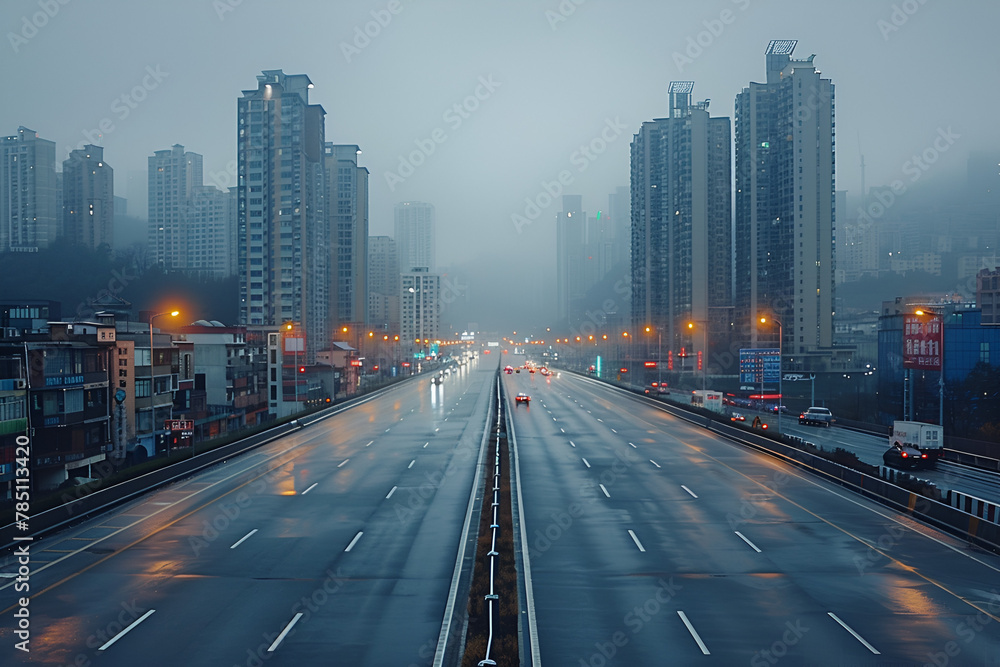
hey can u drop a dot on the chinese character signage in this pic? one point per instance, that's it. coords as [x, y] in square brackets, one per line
[922, 342]
[757, 365]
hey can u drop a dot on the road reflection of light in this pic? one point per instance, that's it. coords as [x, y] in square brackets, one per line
[284, 480]
[396, 405]
[437, 395]
[56, 639]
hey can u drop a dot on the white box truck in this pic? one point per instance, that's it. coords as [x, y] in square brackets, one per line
[927, 438]
[706, 398]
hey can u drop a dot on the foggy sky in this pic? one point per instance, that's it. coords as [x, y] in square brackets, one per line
[549, 82]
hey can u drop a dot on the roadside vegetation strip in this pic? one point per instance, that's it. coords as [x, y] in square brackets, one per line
[492, 634]
[449, 644]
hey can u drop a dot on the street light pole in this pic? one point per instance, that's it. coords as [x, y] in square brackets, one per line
[704, 352]
[152, 382]
[941, 372]
[763, 320]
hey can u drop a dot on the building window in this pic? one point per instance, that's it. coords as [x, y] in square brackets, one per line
[984, 353]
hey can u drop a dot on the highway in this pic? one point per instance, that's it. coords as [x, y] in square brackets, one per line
[655, 542]
[333, 545]
[869, 448]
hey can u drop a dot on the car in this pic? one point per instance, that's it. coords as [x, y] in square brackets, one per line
[817, 416]
[522, 398]
[508, 369]
[737, 417]
[905, 456]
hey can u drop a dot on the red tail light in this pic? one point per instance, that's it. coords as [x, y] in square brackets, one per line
[764, 426]
[905, 455]
[923, 456]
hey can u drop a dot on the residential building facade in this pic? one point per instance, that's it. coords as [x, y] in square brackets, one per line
[415, 235]
[30, 210]
[88, 198]
[785, 202]
[681, 226]
[282, 222]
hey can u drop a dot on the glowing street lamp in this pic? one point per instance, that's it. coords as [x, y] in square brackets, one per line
[763, 320]
[152, 379]
[933, 313]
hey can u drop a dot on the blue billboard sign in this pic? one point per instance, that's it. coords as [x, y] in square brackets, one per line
[760, 365]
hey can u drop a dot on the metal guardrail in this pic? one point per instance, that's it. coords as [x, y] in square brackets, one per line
[492, 596]
[57, 517]
[973, 526]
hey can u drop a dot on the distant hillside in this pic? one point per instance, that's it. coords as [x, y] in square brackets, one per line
[869, 293]
[77, 277]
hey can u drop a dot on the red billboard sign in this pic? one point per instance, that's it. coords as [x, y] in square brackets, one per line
[922, 342]
[185, 426]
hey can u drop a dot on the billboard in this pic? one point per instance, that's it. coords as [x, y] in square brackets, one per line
[922, 342]
[760, 365]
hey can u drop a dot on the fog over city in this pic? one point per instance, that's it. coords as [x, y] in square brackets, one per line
[477, 107]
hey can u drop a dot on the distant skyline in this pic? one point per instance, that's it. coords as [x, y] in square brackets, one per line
[479, 108]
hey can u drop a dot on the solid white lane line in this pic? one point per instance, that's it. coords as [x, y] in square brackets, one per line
[637, 542]
[654, 463]
[694, 633]
[411, 464]
[752, 545]
[370, 443]
[693, 495]
[856, 635]
[288, 628]
[632, 445]
[243, 539]
[121, 634]
[354, 541]
[343, 463]
[604, 490]
[391, 491]
[314, 485]
[586, 462]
